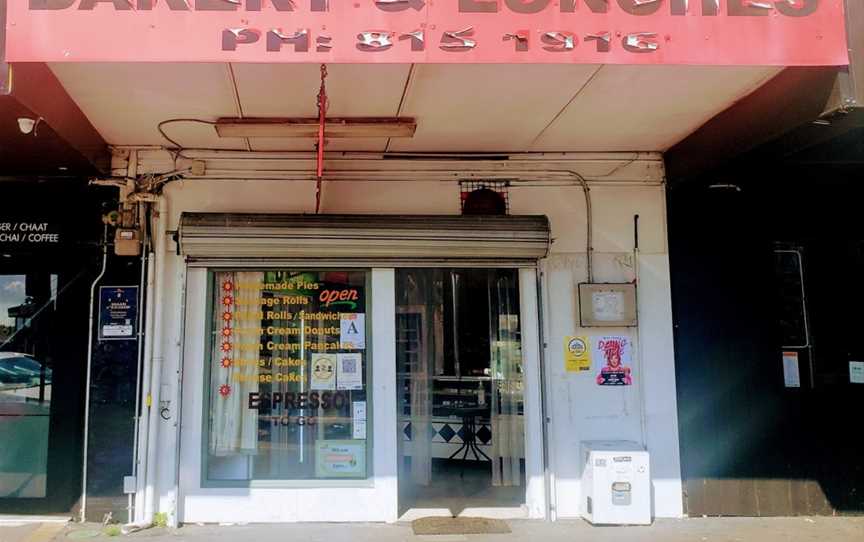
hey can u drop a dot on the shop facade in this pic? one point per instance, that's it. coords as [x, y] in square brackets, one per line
[51, 256]
[41, 452]
[216, 249]
[411, 274]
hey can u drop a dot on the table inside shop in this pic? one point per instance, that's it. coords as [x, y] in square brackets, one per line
[469, 415]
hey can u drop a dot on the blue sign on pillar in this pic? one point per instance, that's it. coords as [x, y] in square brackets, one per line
[118, 313]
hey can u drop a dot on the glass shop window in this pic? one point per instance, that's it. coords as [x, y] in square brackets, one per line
[29, 353]
[289, 385]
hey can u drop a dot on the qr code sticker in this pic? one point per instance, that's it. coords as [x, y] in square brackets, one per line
[349, 365]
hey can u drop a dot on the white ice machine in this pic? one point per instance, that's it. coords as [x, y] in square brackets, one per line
[616, 483]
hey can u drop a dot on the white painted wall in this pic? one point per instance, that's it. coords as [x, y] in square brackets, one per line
[579, 410]
[535, 483]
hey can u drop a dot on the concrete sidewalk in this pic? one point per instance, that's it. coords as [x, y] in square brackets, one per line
[821, 529]
[29, 531]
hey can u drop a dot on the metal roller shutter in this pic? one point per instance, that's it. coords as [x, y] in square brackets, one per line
[214, 239]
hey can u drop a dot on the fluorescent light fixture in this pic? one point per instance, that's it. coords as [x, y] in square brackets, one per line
[305, 127]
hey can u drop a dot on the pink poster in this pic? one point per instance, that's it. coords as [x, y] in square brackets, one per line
[614, 355]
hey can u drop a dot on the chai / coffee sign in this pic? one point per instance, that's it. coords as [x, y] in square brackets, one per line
[24, 234]
[719, 32]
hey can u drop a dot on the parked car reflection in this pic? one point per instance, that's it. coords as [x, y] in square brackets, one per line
[23, 379]
[25, 406]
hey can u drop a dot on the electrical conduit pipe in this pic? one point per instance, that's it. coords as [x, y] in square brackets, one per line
[144, 421]
[151, 495]
[92, 322]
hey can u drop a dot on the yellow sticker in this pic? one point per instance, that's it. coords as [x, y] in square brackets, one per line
[577, 354]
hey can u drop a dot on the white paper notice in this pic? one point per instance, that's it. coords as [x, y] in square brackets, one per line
[118, 330]
[359, 432]
[608, 306]
[359, 410]
[791, 374]
[353, 331]
[349, 371]
[856, 372]
[323, 372]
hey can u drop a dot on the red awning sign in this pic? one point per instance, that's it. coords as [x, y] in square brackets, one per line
[710, 32]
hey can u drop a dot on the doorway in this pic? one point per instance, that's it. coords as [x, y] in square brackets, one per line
[460, 382]
[41, 385]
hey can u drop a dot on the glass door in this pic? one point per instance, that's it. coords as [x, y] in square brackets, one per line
[43, 350]
[26, 378]
[460, 382]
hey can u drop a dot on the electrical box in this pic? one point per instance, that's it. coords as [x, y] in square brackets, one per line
[127, 242]
[607, 305]
[616, 483]
[130, 485]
